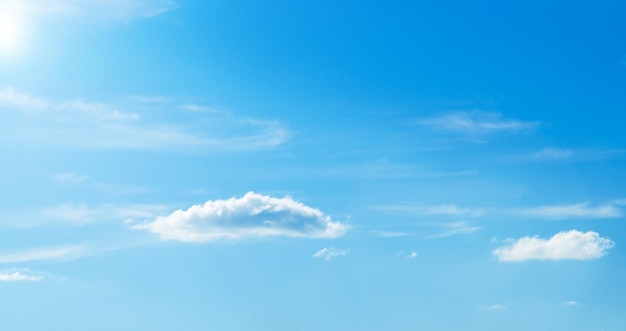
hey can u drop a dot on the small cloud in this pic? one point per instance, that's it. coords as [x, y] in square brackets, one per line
[18, 276]
[566, 245]
[553, 154]
[476, 123]
[71, 177]
[330, 253]
[408, 255]
[497, 307]
[571, 303]
[579, 210]
[251, 216]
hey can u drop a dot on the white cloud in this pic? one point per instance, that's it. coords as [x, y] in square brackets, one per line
[571, 303]
[91, 11]
[52, 253]
[579, 210]
[553, 153]
[18, 276]
[496, 307]
[330, 253]
[408, 255]
[566, 245]
[102, 125]
[253, 215]
[476, 123]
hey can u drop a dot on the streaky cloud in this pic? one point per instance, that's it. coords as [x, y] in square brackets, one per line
[45, 254]
[476, 123]
[572, 211]
[330, 253]
[106, 126]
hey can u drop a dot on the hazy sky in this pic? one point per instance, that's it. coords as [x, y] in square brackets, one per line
[321, 165]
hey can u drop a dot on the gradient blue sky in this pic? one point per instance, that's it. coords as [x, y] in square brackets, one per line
[322, 165]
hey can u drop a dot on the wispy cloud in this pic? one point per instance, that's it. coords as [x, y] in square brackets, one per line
[19, 276]
[553, 153]
[51, 253]
[408, 255]
[251, 216]
[571, 211]
[566, 245]
[571, 303]
[476, 123]
[91, 11]
[80, 214]
[102, 125]
[330, 253]
[391, 234]
[496, 307]
[439, 209]
[455, 228]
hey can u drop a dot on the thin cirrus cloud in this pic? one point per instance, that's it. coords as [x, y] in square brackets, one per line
[435, 210]
[90, 11]
[251, 216]
[18, 276]
[330, 253]
[572, 211]
[565, 245]
[101, 125]
[454, 229]
[44, 254]
[476, 123]
[553, 154]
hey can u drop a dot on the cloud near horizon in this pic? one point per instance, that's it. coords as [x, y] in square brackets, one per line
[251, 216]
[565, 245]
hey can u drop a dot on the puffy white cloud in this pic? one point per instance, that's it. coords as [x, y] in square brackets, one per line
[253, 215]
[18, 276]
[329, 253]
[476, 123]
[566, 245]
[579, 210]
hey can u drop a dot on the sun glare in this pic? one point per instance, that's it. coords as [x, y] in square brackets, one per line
[11, 32]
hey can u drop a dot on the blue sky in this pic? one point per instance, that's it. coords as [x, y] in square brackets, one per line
[326, 165]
